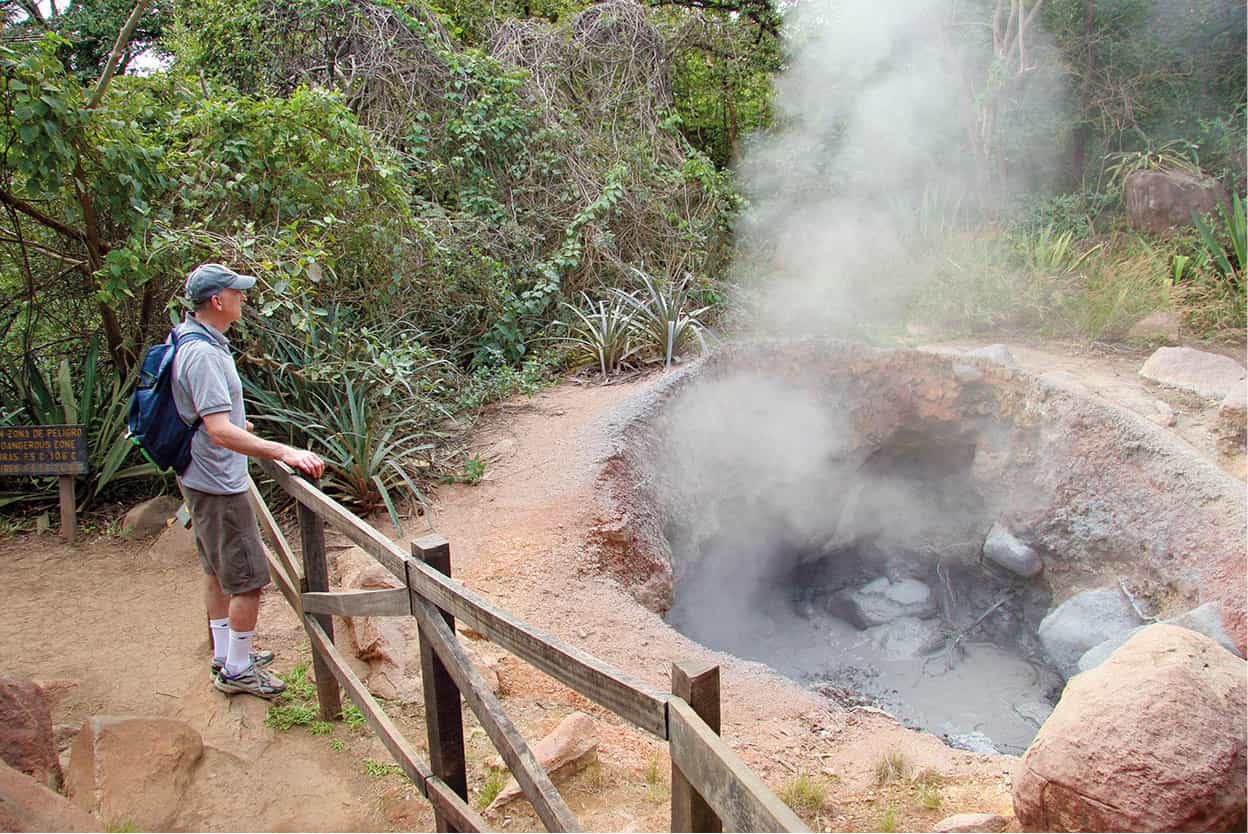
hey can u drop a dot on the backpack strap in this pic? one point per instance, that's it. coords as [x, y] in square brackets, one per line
[176, 341]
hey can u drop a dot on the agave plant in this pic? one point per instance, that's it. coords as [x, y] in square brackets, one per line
[1235, 229]
[603, 333]
[361, 403]
[1053, 252]
[660, 315]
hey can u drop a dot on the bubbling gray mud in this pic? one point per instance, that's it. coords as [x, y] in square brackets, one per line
[971, 691]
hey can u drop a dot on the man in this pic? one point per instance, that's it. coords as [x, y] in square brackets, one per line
[206, 386]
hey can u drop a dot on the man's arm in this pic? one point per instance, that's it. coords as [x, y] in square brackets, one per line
[224, 433]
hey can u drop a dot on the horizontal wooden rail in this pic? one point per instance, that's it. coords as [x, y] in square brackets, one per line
[738, 797]
[626, 696]
[439, 794]
[391, 602]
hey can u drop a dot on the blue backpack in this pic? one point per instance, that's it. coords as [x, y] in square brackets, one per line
[154, 424]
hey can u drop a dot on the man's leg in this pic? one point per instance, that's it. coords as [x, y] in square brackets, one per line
[244, 612]
[217, 602]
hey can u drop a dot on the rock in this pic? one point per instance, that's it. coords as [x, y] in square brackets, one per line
[1082, 622]
[881, 601]
[133, 770]
[1162, 324]
[149, 518]
[1204, 620]
[28, 805]
[1208, 374]
[379, 641]
[1001, 548]
[26, 740]
[906, 638]
[975, 742]
[971, 822]
[1233, 421]
[176, 545]
[995, 353]
[569, 749]
[1152, 740]
[1160, 200]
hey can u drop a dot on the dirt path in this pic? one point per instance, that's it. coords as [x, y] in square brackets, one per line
[118, 629]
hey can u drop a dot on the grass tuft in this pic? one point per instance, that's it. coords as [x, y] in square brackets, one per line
[888, 820]
[375, 768]
[283, 716]
[805, 794]
[495, 779]
[893, 766]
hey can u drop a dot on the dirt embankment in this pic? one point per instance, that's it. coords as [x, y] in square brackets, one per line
[121, 627]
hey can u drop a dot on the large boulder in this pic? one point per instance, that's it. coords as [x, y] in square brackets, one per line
[27, 743]
[1160, 200]
[1154, 739]
[1083, 621]
[381, 642]
[1208, 374]
[570, 748]
[133, 770]
[149, 518]
[28, 805]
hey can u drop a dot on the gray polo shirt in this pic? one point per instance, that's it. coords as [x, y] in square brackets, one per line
[205, 381]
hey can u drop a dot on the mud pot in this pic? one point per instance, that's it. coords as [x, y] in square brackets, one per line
[892, 527]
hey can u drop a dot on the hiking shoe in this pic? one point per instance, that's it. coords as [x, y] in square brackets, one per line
[259, 659]
[253, 681]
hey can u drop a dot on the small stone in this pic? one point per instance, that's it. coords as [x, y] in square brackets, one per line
[1003, 549]
[569, 749]
[1208, 374]
[971, 822]
[1162, 324]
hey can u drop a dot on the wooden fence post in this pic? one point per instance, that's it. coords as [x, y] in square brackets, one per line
[69, 508]
[698, 685]
[443, 717]
[316, 577]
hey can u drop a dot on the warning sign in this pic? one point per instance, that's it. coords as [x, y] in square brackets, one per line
[43, 450]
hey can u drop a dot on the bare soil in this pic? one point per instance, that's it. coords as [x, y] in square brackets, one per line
[116, 627]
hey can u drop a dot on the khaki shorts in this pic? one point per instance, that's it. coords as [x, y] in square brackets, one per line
[228, 540]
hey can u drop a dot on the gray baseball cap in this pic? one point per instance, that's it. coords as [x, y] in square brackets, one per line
[206, 280]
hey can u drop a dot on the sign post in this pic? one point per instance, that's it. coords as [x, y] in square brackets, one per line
[48, 450]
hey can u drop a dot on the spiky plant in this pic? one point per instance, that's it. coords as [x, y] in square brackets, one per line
[661, 318]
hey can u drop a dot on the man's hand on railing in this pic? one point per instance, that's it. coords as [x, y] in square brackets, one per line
[306, 462]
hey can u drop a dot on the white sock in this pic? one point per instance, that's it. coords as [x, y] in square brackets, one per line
[239, 656]
[220, 638]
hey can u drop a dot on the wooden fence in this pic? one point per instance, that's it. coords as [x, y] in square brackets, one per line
[712, 788]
